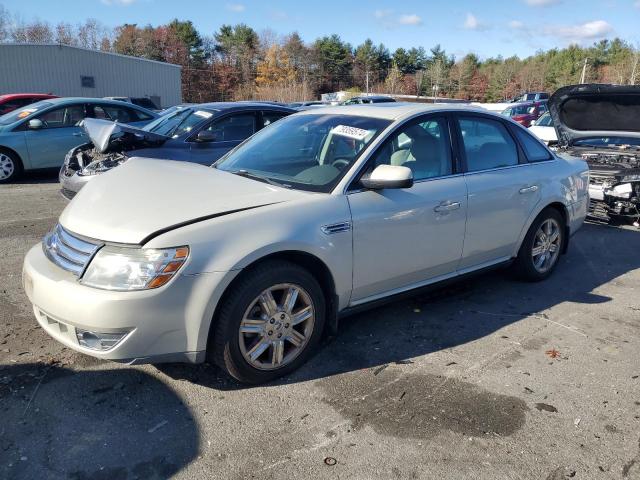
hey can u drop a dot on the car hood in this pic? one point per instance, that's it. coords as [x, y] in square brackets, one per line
[144, 198]
[107, 135]
[595, 110]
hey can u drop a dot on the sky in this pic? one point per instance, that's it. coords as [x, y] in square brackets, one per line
[486, 28]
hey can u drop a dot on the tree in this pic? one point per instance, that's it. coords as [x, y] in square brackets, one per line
[394, 79]
[333, 58]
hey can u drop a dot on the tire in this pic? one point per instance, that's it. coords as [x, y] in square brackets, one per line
[528, 266]
[10, 166]
[263, 322]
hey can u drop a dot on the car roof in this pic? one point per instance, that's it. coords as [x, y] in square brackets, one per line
[9, 96]
[392, 110]
[240, 105]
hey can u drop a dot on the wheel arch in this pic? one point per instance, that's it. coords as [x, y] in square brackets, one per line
[306, 260]
[11, 151]
[557, 205]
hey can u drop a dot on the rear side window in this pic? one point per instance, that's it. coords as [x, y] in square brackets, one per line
[533, 149]
[269, 117]
[487, 144]
[234, 128]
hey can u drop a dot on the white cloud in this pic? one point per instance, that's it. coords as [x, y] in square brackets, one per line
[581, 33]
[236, 7]
[386, 13]
[388, 19]
[516, 24]
[472, 23]
[541, 3]
[411, 19]
[117, 2]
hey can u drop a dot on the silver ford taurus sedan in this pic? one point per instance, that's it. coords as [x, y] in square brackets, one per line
[249, 262]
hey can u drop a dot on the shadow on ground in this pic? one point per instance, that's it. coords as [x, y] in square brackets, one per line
[49, 175]
[117, 424]
[457, 314]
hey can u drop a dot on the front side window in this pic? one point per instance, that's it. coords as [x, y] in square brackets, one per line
[178, 122]
[422, 145]
[309, 152]
[233, 128]
[62, 117]
[487, 144]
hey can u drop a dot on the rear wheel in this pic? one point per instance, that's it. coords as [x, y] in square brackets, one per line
[10, 166]
[270, 322]
[541, 248]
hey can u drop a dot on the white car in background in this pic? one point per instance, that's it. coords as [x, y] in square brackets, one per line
[543, 129]
[323, 212]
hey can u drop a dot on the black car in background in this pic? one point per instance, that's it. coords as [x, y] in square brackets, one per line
[200, 133]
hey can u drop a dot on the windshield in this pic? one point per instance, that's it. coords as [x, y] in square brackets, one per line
[178, 122]
[545, 121]
[308, 152]
[25, 112]
[607, 142]
[518, 110]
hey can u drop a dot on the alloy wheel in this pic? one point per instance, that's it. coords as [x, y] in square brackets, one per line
[277, 326]
[7, 166]
[546, 245]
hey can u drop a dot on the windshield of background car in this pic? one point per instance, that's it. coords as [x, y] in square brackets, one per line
[545, 121]
[25, 112]
[519, 110]
[307, 152]
[179, 122]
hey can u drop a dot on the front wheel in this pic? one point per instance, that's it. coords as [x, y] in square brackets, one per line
[541, 248]
[269, 323]
[10, 167]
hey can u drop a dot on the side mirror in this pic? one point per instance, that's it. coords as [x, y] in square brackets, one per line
[35, 124]
[205, 136]
[388, 176]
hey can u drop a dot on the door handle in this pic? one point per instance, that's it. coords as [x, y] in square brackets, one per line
[530, 189]
[447, 206]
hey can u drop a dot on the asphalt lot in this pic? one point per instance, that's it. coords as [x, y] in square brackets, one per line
[490, 379]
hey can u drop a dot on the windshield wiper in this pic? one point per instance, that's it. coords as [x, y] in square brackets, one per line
[260, 178]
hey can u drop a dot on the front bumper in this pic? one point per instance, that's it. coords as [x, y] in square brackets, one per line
[168, 324]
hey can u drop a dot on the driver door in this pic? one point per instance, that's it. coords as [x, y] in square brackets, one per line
[48, 145]
[404, 238]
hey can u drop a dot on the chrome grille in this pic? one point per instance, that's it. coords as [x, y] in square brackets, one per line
[68, 251]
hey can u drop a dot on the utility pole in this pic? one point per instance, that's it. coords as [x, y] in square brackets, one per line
[584, 70]
[367, 80]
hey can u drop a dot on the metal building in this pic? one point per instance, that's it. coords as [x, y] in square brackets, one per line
[78, 72]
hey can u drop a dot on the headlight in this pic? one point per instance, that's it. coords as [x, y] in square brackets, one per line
[630, 178]
[121, 268]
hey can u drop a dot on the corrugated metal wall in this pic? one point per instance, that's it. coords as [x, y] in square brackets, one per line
[58, 69]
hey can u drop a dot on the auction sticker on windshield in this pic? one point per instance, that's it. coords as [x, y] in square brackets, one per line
[203, 114]
[351, 132]
[26, 112]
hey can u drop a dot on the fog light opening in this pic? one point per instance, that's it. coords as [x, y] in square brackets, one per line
[99, 341]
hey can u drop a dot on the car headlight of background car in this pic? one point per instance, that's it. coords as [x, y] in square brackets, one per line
[124, 269]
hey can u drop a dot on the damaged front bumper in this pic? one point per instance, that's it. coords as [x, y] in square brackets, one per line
[614, 196]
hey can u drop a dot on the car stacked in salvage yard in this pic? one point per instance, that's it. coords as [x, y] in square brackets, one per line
[396, 281]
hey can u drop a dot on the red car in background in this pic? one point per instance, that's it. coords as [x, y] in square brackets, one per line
[12, 101]
[526, 112]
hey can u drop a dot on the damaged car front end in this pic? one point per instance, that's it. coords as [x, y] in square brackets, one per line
[601, 125]
[111, 145]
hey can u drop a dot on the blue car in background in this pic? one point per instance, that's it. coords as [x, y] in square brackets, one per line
[199, 133]
[40, 135]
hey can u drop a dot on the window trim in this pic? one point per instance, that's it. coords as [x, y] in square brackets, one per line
[522, 159]
[354, 186]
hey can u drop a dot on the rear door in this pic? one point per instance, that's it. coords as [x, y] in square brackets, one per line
[503, 189]
[229, 131]
[59, 133]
